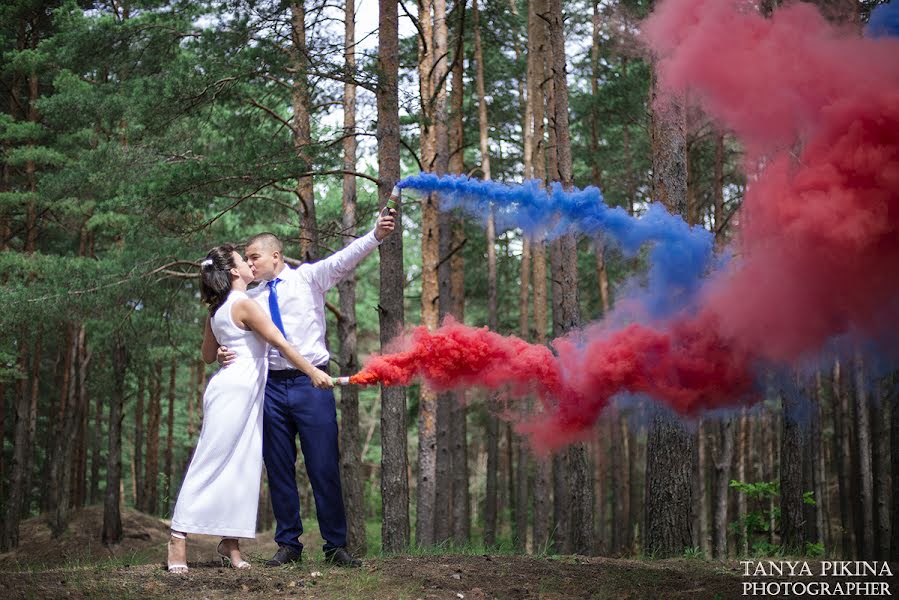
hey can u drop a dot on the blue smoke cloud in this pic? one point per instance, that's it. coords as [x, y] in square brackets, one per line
[679, 256]
[884, 21]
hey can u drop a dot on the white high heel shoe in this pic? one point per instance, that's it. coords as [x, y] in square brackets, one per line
[226, 558]
[177, 567]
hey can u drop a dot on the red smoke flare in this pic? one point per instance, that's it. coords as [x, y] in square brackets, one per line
[817, 110]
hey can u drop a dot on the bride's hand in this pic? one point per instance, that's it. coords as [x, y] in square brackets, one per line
[321, 380]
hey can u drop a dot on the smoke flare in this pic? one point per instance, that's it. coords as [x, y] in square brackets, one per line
[817, 111]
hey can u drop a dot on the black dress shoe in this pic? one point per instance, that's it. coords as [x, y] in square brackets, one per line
[342, 558]
[283, 556]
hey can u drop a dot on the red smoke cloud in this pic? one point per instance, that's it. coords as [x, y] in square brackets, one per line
[817, 110]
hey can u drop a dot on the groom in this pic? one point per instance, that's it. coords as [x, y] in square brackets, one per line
[295, 299]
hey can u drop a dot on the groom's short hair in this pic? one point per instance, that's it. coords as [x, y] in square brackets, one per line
[267, 240]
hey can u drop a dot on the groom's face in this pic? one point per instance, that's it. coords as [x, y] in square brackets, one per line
[262, 261]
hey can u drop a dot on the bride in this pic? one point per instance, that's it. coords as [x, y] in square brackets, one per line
[220, 492]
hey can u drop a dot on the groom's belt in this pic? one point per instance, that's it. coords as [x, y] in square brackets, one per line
[291, 373]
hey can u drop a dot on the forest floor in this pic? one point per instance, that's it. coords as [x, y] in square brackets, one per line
[79, 566]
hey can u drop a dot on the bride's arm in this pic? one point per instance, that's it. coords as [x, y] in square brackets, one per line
[248, 314]
[210, 346]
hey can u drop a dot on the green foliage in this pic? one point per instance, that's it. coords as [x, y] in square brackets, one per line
[757, 523]
[694, 552]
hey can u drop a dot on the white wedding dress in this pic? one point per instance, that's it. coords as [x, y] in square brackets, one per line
[220, 492]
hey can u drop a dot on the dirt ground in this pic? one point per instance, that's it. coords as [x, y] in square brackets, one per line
[79, 566]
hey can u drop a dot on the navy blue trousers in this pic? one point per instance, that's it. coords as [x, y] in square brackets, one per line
[294, 406]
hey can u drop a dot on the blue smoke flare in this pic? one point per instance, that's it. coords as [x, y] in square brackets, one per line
[680, 255]
[884, 21]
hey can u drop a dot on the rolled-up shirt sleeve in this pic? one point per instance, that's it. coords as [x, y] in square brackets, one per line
[330, 271]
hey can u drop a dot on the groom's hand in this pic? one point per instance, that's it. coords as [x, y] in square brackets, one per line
[224, 356]
[385, 225]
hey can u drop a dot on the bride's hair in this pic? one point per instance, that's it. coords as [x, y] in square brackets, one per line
[215, 276]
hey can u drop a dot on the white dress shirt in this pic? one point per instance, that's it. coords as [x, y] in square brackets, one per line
[301, 300]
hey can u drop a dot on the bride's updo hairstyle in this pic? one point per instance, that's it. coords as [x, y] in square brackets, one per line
[215, 276]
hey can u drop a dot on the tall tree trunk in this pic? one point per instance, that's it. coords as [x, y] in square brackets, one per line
[350, 448]
[543, 473]
[34, 393]
[140, 500]
[22, 448]
[491, 504]
[880, 466]
[894, 467]
[169, 440]
[96, 446]
[521, 448]
[722, 486]
[537, 81]
[566, 311]
[442, 465]
[55, 462]
[302, 130]
[822, 495]
[602, 275]
[60, 468]
[792, 531]
[430, 256]
[394, 462]
[863, 429]
[151, 476]
[668, 487]
[460, 499]
[3, 412]
[743, 446]
[83, 363]
[841, 458]
[112, 517]
[601, 486]
[700, 492]
[670, 447]
[814, 528]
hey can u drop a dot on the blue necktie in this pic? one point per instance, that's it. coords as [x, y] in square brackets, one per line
[273, 305]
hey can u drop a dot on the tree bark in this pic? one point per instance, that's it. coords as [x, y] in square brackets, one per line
[112, 518]
[169, 440]
[566, 310]
[139, 484]
[97, 447]
[458, 435]
[22, 448]
[743, 447]
[61, 468]
[394, 462]
[668, 487]
[521, 448]
[350, 448]
[792, 530]
[491, 504]
[430, 256]
[302, 131]
[894, 468]
[863, 429]
[670, 447]
[152, 458]
[442, 125]
[822, 495]
[880, 466]
[841, 458]
[722, 486]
